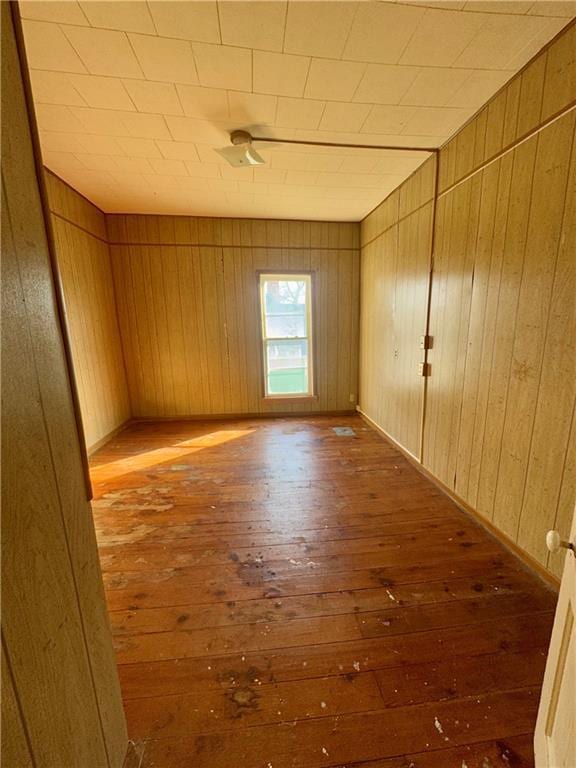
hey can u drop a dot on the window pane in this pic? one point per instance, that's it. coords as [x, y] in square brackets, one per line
[285, 308]
[287, 367]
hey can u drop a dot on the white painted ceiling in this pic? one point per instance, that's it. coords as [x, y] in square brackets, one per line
[132, 97]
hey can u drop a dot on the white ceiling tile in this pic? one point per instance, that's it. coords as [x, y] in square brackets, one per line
[102, 145]
[48, 48]
[120, 14]
[158, 98]
[441, 37]
[186, 20]
[318, 28]
[359, 164]
[138, 147]
[169, 167]
[280, 73]
[344, 117]
[518, 7]
[104, 52]
[101, 122]
[252, 26]
[142, 126]
[165, 60]
[435, 121]
[178, 150]
[223, 67]
[207, 153]
[246, 190]
[349, 180]
[203, 170]
[299, 113]
[435, 86]
[55, 117]
[129, 181]
[385, 83]
[93, 178]
[222, 185]
[145, 141]
[381, 32]
[447, 5]
[62, 142]
[59, 12]
[334, 80]
[191, 129]
[102, 92]
[267, 175]
[399, 164]
[80, 143]
[132, 164]
[251, 108]
[307, 178]
[61, 161]
[205, 103]
[98, 162]
[388, 119]
[54, 88]
[305, 161]
[499, 40]
[235, 174]
[478, 88]
[561, 8]
[537, 42]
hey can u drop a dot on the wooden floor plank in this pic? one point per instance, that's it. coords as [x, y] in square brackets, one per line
[282, 596]
[332, 741]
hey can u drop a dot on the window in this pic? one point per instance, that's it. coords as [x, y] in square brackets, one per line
[285, 303]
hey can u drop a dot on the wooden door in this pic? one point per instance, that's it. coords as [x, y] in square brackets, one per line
[555, 737]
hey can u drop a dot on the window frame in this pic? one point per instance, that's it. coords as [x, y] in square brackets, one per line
[279, 274]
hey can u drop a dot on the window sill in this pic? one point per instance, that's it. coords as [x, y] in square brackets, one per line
[290, 399]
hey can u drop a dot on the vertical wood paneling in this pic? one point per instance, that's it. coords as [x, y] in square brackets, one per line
[499, 427]
[189, 310]
[542, 90]
[395, 271]
[545, 216]
[55, 626]
[86, 273]
[14, 749]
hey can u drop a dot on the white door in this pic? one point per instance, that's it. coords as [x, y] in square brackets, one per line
[555, 737]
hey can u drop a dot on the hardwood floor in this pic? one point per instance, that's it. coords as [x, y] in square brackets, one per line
[284, 597]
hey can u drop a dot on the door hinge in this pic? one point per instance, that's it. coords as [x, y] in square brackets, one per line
[425, 342]
[424, 369]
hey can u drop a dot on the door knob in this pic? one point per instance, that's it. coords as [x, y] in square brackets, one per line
[554, 542]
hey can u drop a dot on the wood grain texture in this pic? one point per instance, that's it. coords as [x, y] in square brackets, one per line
[499, 405]
[189, 313]
[14, 749]
[396, 242]
[86, 273]
[502, 393]
[544, 88]
[55, 628]
[275, 590]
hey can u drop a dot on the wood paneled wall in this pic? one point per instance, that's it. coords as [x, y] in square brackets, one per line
[499, 429]
[189, 312]
[396, 241]
[86, 273]
[61, 702]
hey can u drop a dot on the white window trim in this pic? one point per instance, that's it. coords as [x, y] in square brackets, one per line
[288, 276]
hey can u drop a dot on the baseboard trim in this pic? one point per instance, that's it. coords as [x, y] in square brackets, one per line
[243, 416]
[107, 437]
[527, 559]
